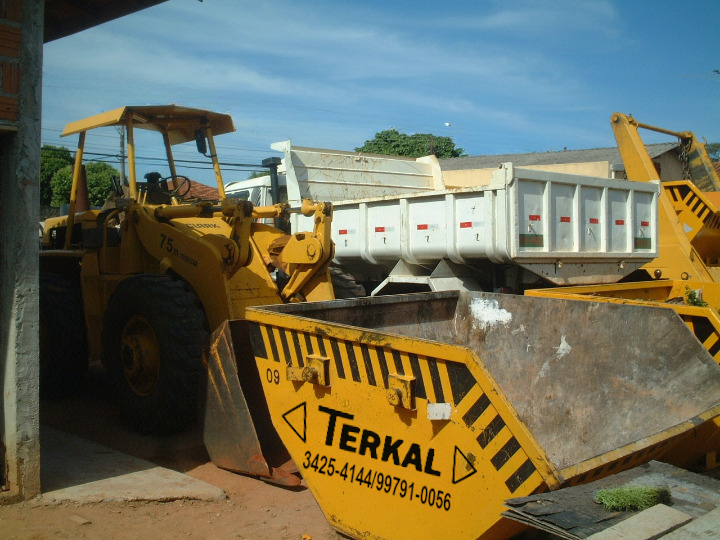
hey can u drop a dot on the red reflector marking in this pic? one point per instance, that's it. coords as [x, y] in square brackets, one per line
[644, 223]
[465, 224]
[619, 222]
[342, 231]
[379, 229]
[534, 217]
[564, 219]
[594, 220]
[422, 227]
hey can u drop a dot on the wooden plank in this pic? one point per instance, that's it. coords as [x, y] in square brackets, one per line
[704, 527]
[647, 525]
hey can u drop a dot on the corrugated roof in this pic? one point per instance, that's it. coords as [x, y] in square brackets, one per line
[611, 155]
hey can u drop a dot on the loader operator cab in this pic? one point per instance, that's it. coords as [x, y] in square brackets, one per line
[157, 191]
[175, 125]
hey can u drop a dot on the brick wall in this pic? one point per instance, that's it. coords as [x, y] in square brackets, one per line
[10, 34]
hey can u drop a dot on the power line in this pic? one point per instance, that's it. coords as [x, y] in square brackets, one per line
[146, 160]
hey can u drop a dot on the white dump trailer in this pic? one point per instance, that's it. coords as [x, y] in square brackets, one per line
[565, 229]
[336, 175]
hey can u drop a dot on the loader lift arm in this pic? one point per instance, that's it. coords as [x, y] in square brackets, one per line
[697, 164]
[680, 254]
[304, 257]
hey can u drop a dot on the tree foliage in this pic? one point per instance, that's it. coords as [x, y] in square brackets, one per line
[52, 159]
[99, 179]
[713, 150]
[393, 143]
[61, 184]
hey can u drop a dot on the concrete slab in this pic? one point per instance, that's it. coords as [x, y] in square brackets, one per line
[649, 524]
[77, 470]
[703, 528]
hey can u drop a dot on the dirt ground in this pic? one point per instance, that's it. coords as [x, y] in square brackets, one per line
[253, 509]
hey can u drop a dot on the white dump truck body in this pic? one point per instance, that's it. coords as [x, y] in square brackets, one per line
[565, 228]
[334, 175]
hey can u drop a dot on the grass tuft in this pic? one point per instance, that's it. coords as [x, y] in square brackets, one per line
[632, 498]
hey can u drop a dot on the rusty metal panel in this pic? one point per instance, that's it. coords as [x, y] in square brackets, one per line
[237, 431]
[703, 443]
[609, 374]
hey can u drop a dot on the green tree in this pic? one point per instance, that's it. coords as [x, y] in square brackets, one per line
[52, 159]
[713, 150]
[393, 143]
[99, 179]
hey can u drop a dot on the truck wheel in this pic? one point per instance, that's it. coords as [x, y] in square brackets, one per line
[153, 337]
[345, 285]
[63, 338]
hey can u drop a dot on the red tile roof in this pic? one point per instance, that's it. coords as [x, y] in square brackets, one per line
[201, 191]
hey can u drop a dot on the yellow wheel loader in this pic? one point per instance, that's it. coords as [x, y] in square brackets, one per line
[142, 282]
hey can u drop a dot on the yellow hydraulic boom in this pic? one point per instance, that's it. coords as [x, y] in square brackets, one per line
[697, 165]
[689, 221]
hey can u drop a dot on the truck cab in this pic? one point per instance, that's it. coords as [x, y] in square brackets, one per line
[257, 190]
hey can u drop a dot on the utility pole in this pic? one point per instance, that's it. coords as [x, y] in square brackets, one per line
[121, 130]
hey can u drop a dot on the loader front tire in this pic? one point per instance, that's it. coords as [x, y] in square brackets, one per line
[63, 338]
[154, 332]
[345, 285]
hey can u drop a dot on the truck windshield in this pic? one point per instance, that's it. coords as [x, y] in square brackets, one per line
[243, 194]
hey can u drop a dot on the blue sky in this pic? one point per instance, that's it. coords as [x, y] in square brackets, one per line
[507, 76]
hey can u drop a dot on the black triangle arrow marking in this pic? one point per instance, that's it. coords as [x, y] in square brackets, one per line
[296, 417]
[465, 463]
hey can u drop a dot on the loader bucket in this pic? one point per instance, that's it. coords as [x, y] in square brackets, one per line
[417, 416]
[237, 430]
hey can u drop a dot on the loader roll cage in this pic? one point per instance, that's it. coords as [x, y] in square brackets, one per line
[176, 125]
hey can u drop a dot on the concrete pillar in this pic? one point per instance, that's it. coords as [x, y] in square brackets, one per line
[19, 213]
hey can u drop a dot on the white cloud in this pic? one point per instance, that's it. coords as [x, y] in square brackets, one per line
[547, 18]
[332, 73]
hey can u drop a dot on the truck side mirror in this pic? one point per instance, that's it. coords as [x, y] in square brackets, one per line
[200, 141]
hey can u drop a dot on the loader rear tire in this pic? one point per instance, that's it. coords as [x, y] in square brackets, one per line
[154, 332]
[345, 285]
[63, 338]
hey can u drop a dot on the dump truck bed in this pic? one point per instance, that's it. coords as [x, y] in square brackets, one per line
[440, 406]
[568, 229]
[335, 175]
